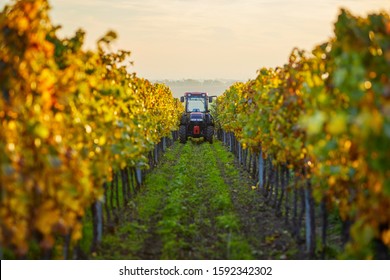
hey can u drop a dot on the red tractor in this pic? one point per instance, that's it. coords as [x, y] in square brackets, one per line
[196, 121]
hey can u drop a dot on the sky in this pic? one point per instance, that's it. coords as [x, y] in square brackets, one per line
[206, 39]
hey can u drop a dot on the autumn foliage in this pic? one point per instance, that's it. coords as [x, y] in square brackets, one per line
[326, 115]
[69, 117]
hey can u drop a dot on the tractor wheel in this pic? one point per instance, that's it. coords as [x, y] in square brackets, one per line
[182, 134]
[210, 134]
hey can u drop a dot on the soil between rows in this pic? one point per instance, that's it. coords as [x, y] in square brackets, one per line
[199, 204]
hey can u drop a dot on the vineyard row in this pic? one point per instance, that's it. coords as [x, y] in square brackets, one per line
[72, 122]
[323, 117]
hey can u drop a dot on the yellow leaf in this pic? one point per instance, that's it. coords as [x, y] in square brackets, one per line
[332, 181]
[102, 140]
[41, 131]
[117, 134]
[386, 237]
[22, 24]
[337, 124]
[47, 217]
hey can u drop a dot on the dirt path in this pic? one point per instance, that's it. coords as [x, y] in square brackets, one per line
[265, 232]
[197, 204]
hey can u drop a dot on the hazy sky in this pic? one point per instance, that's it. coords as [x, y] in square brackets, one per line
[206, 39]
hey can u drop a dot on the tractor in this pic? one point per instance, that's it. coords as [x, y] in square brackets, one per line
[196, 121]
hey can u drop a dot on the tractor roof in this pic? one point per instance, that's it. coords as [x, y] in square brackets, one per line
[196, 93]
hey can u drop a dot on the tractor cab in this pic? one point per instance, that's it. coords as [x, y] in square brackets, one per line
[196, 101]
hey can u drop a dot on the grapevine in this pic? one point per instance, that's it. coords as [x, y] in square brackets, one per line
[69, 118]
[325, 115]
